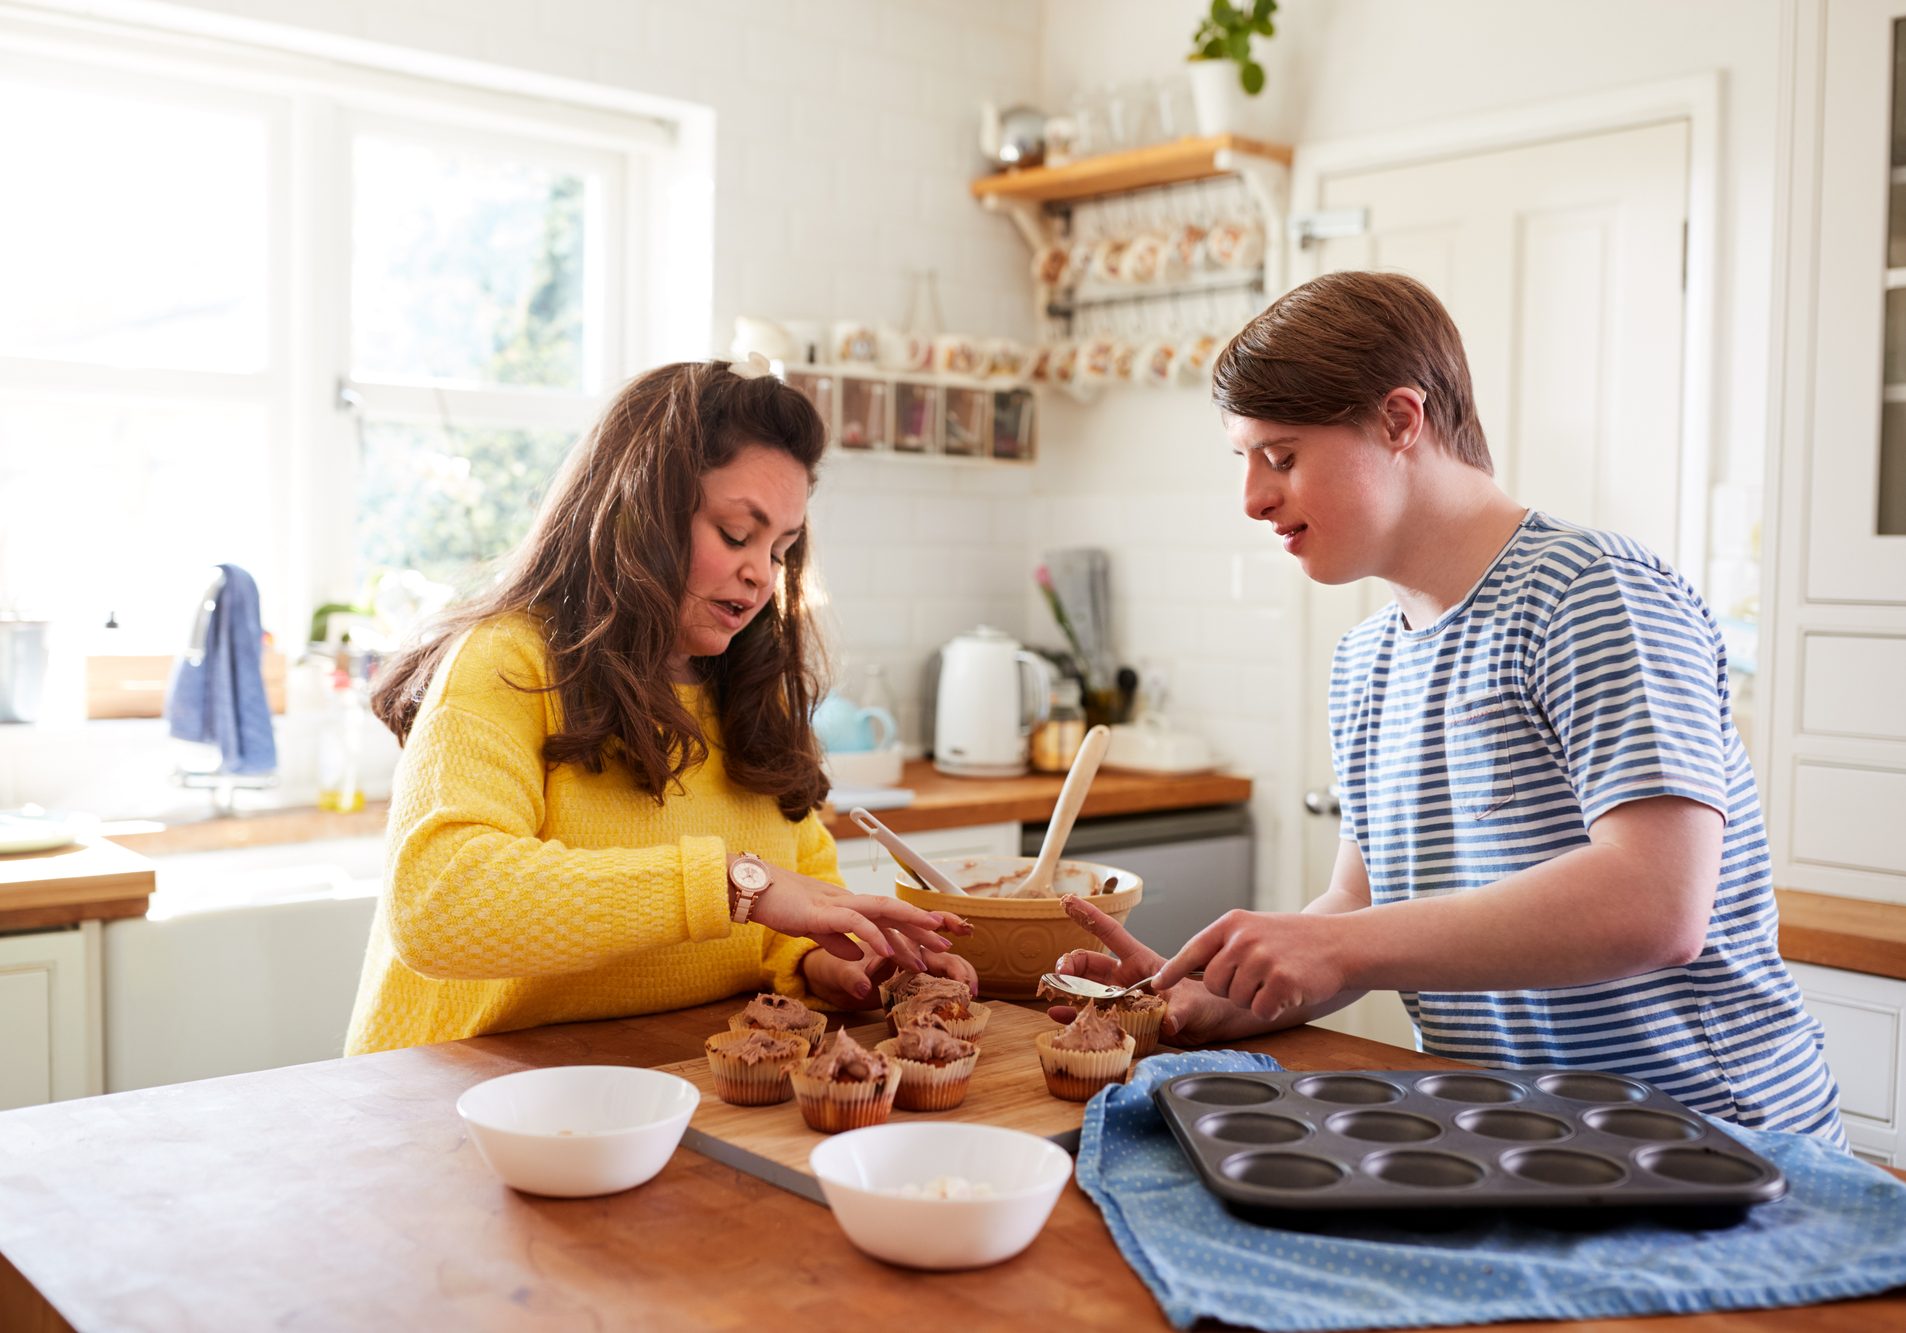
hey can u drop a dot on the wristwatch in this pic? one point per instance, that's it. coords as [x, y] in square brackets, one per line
[748, 878]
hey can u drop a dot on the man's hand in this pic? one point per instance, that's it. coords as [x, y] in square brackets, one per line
[1272, 964]
[1193, 1013]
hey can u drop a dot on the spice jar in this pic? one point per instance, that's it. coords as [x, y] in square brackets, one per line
[1056, 740]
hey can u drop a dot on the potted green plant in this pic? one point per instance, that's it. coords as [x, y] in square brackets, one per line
[1223, 72]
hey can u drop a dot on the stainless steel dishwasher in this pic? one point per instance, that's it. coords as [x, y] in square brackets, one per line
[1196, 864]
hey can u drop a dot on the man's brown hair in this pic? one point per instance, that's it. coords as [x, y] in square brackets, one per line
[604, 570]
[1328, 352]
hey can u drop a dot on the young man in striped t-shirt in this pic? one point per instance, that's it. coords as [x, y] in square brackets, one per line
[1552, 842]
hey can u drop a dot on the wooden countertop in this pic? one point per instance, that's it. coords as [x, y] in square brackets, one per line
[88, 881]
[1849, 933]
[345, 1194]
[940, 801]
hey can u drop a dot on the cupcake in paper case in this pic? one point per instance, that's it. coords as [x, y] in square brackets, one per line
[751, 1067]
[845, 1086]
[781, 1016]
[1092, 1051]
[1141, 1014]
[935, 1066]
[919, 995]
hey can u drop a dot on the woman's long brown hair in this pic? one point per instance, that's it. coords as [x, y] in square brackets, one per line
[605, 569]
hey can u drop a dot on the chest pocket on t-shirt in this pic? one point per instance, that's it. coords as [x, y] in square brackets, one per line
[1478, 736]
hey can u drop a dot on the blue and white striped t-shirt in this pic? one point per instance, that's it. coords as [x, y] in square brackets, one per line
[1580, 673]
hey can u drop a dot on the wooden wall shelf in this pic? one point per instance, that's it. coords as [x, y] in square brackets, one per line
[1108, 173]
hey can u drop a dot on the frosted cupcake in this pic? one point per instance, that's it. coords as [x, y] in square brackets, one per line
[751, 1068]
[1141, 1014]
[935, 1066]
[1092, 1051]
[780, 1016]
[845, 1086]
[920, 996]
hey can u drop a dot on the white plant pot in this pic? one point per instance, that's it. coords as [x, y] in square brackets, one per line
[1217, 96]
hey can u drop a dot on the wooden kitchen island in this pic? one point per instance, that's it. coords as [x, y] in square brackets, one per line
[346, 1195]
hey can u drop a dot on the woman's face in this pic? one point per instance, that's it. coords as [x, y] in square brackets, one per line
[752, 511]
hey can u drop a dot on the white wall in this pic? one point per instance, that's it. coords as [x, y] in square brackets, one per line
[845, 139]
[1197, 587]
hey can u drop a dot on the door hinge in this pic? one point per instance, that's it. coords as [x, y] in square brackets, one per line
[1327, 224]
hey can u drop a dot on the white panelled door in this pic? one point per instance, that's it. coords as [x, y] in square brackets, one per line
[1562, 264]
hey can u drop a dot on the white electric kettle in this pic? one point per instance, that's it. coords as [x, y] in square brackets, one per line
[992, 694]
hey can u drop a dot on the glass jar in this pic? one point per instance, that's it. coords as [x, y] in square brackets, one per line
[1056, 741]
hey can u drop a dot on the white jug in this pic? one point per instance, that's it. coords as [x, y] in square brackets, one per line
[992, 694]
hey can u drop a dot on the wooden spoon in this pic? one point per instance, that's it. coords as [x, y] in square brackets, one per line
[1085, 765]
[924, 872]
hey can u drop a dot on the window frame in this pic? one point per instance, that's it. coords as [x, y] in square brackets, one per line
[652, 153]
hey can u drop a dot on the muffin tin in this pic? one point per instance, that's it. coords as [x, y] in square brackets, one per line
[1287, 1140]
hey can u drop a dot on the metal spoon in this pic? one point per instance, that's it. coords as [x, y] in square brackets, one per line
[916, 865]
[1085, 988]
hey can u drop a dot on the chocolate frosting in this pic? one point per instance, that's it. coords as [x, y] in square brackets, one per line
[760, 1047]
[931, 995]
[777, 1013]
[1138, 999]
[1092, 1030]
[927, 1040]
[847, 1061]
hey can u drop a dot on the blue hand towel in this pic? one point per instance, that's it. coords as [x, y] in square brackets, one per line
[1839, 1232]
[220, 699]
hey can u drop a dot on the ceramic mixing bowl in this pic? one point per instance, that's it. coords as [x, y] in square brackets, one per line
[1015, 940]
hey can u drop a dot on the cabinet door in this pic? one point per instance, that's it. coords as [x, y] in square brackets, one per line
[1856, 511]
[26, 1006]
[1863, 1018]
[50, 1045]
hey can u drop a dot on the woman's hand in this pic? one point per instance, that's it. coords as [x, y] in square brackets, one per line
[1192, 1013]
[850, 985]
[796, 904]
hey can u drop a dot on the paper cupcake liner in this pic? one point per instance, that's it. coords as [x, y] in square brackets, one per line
[831, 1107]
[966, 1029]
[1143, 1025]
[811, 1034]
[1077, 1075]
[927, 1087]
[738, 1083]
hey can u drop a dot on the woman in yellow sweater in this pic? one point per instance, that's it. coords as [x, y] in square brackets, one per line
[606, 801]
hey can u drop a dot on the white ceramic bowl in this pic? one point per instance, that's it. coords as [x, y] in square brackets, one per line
[576, 1130]
[860, 1171]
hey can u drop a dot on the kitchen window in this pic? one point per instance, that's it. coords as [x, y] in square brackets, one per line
[317, 321]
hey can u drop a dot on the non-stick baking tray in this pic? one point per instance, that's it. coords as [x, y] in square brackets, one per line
[1566, 1139]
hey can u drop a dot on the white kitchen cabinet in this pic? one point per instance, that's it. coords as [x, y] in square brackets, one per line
[867, 867]
[50, 1046]
[1836, 679]
[1865, 1021]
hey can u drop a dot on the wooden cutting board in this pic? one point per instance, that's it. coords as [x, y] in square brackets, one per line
[772, 1142]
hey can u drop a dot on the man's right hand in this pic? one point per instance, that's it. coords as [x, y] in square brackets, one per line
[1193, 1014]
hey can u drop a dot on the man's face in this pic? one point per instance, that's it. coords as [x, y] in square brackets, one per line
[1332, 493]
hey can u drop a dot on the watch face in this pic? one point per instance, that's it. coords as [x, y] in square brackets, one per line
[750, 875]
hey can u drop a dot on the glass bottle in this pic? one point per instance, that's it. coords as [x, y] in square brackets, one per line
[1056, 740]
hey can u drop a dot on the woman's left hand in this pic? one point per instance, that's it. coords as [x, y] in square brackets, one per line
[851, 985]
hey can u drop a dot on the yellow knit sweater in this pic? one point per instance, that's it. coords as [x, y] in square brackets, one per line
[517, 895]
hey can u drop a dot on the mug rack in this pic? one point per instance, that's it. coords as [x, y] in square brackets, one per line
[1199, 223]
